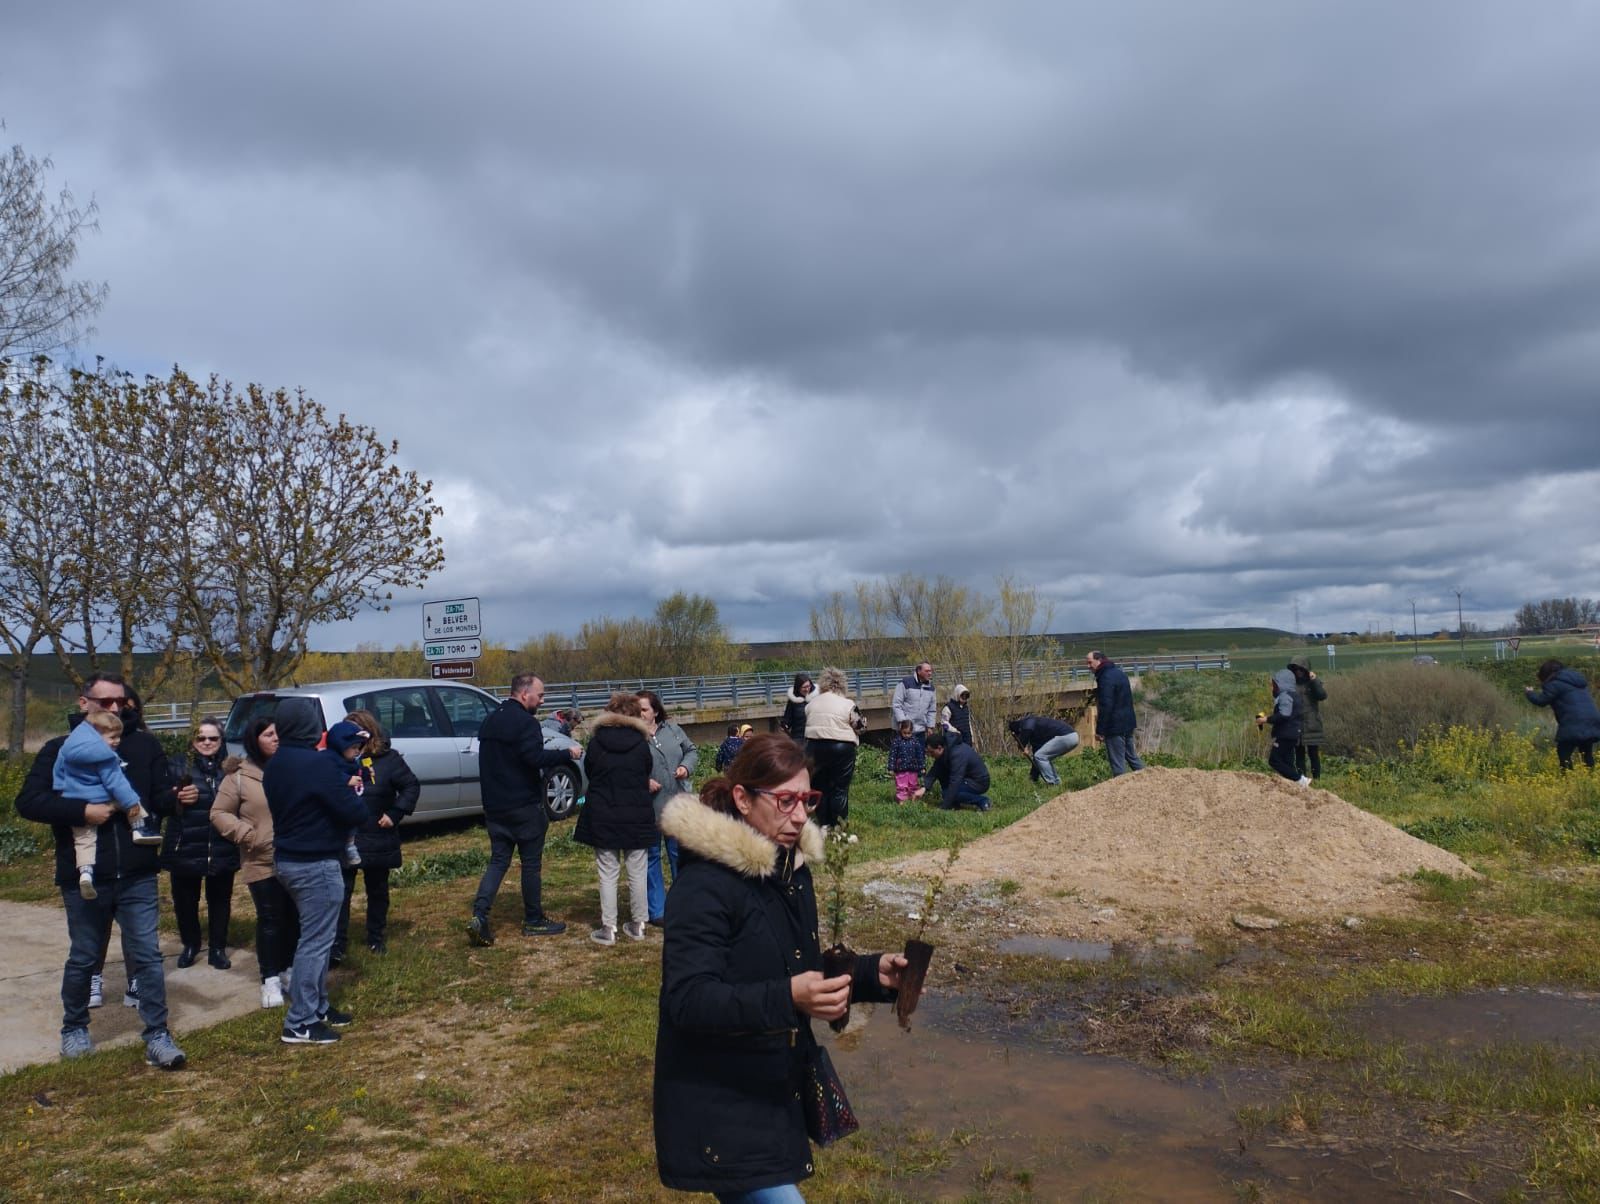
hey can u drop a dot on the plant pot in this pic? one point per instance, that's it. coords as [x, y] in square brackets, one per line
[837, 960]
[918, 956]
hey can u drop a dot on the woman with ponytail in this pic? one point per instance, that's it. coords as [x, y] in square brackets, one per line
[741, 980]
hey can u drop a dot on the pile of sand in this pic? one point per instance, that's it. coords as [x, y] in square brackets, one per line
[1187, 849]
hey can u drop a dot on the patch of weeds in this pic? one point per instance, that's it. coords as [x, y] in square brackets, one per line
[1008, 887]
[441, 867]
[1446, 888]
[17, 843]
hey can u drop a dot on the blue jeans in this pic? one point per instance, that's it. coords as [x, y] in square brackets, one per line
[132, 903]
[785, 1193]
[655, 885]
[317, 888]
[1057, 746]
[1123, 758]
[965, 795]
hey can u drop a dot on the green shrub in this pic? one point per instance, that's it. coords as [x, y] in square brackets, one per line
[1380, 709]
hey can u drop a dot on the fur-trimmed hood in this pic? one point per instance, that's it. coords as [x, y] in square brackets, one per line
[613, 719]
[730, 841]
[799, 699]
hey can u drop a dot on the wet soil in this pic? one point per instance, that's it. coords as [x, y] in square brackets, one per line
[1069, 1126]
[1568, 1020]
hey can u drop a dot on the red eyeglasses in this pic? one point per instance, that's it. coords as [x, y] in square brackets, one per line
[788, 800]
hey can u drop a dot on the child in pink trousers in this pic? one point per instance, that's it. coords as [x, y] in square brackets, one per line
[905, 762]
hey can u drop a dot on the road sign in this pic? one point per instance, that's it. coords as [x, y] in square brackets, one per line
[452, 619]
[452, 650]
[451, 670]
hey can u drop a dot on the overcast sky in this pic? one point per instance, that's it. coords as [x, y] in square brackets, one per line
[1182, 313]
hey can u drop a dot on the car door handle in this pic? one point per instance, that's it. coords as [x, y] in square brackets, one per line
[469, 749]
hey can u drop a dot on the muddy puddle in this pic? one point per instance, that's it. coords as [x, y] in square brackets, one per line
[1569, 1020]
[999, 1117]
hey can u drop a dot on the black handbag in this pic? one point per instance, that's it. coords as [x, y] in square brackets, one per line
[829, 1116]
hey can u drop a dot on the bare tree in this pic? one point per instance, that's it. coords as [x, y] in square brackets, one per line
[37, 581]
[1020, 623]
[42, 309]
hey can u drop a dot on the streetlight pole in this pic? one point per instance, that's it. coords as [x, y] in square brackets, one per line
[1413, 602]
[1461, 628]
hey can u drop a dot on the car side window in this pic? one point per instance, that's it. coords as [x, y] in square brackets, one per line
[466, 709]
[404, 713]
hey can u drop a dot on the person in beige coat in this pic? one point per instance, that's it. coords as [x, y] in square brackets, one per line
[240, 814]
[832, 724]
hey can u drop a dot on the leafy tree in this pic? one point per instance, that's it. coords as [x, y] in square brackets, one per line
[42, 309]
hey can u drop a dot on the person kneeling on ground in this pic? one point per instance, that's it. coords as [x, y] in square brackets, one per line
[1285, 721]
[1043, 738]
[962, 776]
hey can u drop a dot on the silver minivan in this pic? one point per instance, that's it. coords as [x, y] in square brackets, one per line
[432, 724]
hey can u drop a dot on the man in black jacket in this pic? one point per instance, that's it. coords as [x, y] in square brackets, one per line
[124, 878]
[314, 810]
[1115, 722]
[512, 759]
[1043, 738]
[962, 776]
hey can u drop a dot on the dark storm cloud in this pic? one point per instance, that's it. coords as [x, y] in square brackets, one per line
[1181, 312]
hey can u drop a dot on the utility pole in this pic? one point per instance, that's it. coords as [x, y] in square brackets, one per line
[1461, 628]
[1413, 602]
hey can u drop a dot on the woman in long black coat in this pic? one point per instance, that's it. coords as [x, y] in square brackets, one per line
[390, 791]
[741, 979]
[195, 855]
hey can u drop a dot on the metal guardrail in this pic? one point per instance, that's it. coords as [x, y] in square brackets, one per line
[768, 689]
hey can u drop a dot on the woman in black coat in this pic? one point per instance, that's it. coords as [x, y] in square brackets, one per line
[794, 710]
[390, 791]
[195, 855]
[618, 819]
[741, 979]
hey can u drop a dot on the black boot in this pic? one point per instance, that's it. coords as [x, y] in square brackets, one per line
[219, 959]
[190, 955]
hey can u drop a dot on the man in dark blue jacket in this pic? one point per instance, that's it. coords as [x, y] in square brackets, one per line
[1044, 738]
[512, 759]
[962, 776]
[314, 811]
[1115, 723]
[124, 879]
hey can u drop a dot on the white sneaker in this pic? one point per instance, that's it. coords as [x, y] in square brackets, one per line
[604, 935]
[271, 992]
[97, 992]
[633, 930]
[1304, 781]
[86, 882]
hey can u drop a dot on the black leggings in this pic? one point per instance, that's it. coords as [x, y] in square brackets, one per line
[1565, 749]
[1308, 755]
[377, 904]
[219, 907]
[277, 927]
[833, 765]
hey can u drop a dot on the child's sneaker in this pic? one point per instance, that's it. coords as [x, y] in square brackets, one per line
[271, 992]
[147, 831]
[86, 882]
[352, 855]
[633, 930]
[97, 991]
[604, 935]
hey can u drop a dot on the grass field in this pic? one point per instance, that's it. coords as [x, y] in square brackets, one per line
[522, 1071]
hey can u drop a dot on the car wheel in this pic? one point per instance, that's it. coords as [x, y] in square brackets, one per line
[561, 792]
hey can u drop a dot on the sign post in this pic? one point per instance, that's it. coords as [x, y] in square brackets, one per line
[1330, 658]
[452, 632]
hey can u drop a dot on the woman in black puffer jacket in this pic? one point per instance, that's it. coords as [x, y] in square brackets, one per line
[618, 819]
[390, 791]
[741, 979]
[1566, 692]
[194, 853]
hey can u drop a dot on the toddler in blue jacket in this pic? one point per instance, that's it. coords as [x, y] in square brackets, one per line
[88, 770]
[905, 761]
